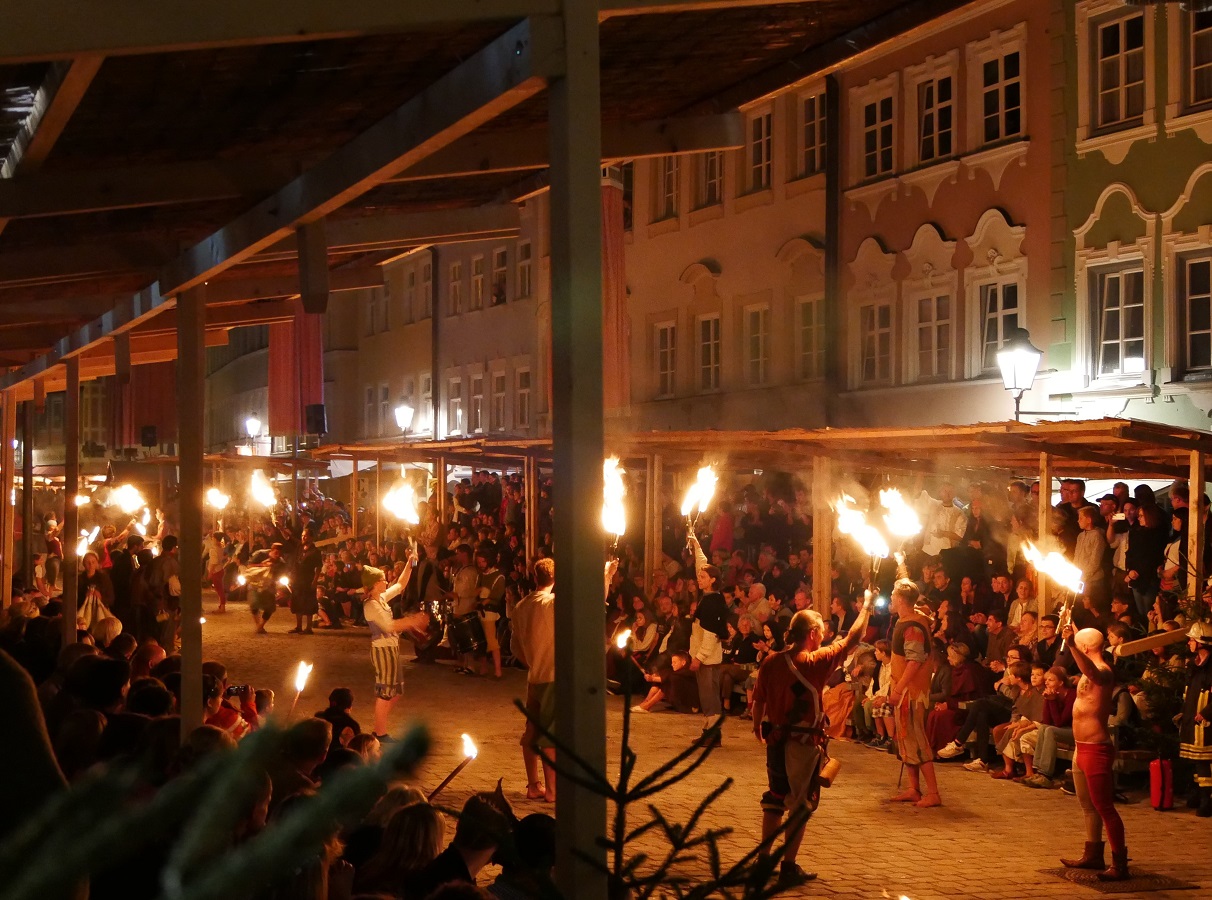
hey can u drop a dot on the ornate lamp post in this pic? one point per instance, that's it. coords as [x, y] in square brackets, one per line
[1018, 361]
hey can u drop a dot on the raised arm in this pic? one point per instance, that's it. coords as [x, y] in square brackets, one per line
[1084, 663]
[700, 558]
[859, 627]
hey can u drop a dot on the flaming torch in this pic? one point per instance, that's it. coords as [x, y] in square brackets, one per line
[401, 502]
[1053, 565]
[262, 491]
[127, 497]
[853, 521]
[470, 751]
[614, 514]
[301, 675]
[698, 497]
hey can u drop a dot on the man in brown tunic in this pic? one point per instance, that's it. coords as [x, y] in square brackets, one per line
[913, 666]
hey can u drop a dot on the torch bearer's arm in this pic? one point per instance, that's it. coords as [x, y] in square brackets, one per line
[700, 558]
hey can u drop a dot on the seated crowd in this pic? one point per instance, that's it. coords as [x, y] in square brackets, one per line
[1003, 687]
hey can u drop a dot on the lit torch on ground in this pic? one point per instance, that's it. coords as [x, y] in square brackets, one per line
[470, 751]
[614, 513]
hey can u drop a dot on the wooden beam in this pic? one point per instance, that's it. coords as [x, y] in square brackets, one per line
[1143, 434]
[436, 226]
[1043, 534]
[228, 316]
[58, 29]
[312, 242]
[1119, 462]
[512, 68]
[1196, 528]
[65, 193]
[822, 534]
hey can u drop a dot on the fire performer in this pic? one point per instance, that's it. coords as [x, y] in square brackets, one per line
[789, 719]
[913, 664]
[385, 643]
[1195, 722]
[1094, 758]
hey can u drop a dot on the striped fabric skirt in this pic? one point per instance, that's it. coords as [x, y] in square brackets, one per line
[389, 680]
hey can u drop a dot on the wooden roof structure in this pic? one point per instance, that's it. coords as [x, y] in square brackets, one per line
[1097, 448]
[138, 146]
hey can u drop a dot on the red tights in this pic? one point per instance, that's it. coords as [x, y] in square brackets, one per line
[1095, 784]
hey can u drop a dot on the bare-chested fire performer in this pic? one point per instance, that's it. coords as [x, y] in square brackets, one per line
[1094, 758]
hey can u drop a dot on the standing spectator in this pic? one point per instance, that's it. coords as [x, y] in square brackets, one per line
[533, 645]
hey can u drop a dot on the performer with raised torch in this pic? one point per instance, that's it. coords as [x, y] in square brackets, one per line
[385, 643]
[1094, 758]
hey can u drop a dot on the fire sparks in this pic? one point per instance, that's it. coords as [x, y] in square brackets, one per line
[614, 514]
[1055, 566]
[401, 502]
[853, 521]
[901, 518]
[262, 491]
[127, 498]
[700, 493]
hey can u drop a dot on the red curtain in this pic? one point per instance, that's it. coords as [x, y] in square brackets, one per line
[296, 371]
[149, 400]
[616, 339]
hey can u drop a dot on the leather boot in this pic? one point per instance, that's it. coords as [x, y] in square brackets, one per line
[1205, 803]
[1118, 870]
[1092, 858]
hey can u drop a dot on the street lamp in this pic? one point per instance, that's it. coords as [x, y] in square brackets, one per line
[404, 414]
[1018, 361]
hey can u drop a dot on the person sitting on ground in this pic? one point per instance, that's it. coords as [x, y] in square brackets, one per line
[676, 686]
[484, 826]
[1024, 719]
[528, 866]
[304, 748]
[411, 840]
[344, 726]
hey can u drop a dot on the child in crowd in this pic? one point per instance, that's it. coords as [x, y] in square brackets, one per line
[1025, 717]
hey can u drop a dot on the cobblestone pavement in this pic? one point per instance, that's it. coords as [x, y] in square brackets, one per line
[989, 840]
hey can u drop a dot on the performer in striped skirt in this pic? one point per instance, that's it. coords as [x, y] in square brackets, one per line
[385, 643]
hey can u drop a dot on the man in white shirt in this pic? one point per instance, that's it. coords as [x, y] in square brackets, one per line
[385, 643]
[945, 522]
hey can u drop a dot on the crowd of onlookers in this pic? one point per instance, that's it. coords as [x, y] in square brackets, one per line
[1003, 689]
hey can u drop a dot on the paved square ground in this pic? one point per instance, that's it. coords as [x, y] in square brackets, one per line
[988, 841]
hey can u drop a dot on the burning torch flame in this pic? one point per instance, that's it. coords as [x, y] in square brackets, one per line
[469, 748]
[401, 502]
[127, 497]
[901, 518]
[301, 676]
[853, 521]
[262, 491]
[217, 498]
[146, 516]
[241, 580]
[83, 500]
[623, 638]
[614, 514]
[700, 493]
[284, 581]
[1056, 567]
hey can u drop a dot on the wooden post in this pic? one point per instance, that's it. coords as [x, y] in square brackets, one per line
[1196, 528]
[353, 498]
[651, 540]
[8, 464]
[440, 492]
[530, 482]
[822, 534]
[191, 395]
[1043, 533]
[577, 443]
[27, 490]
[378, 494]
[71, 484]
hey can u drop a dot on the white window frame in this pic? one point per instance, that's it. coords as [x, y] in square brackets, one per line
[426, 290]
[709, 181]
[708, 355]
[913, 303]
[665, 359]
[370, 411]
[810, 340]
[997, 46]
[384, 306]
[982, 289]
[477, 282]
[521, 403]
[756, 329]
[525, 277]
[410, 295]
[425, 412]
[666, 184]
[812, 132]
[759, 150]
[1114, 142]
[1182, 111]
[500, 276]
[1097, 278]
[385, 407]
[454, 290]
[499, 385]
[371, 312]
[1090, 263]
[875, 304]
[1183, 300]
[475, 406]
[860, 97]
[932, 69]
[454, 405]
